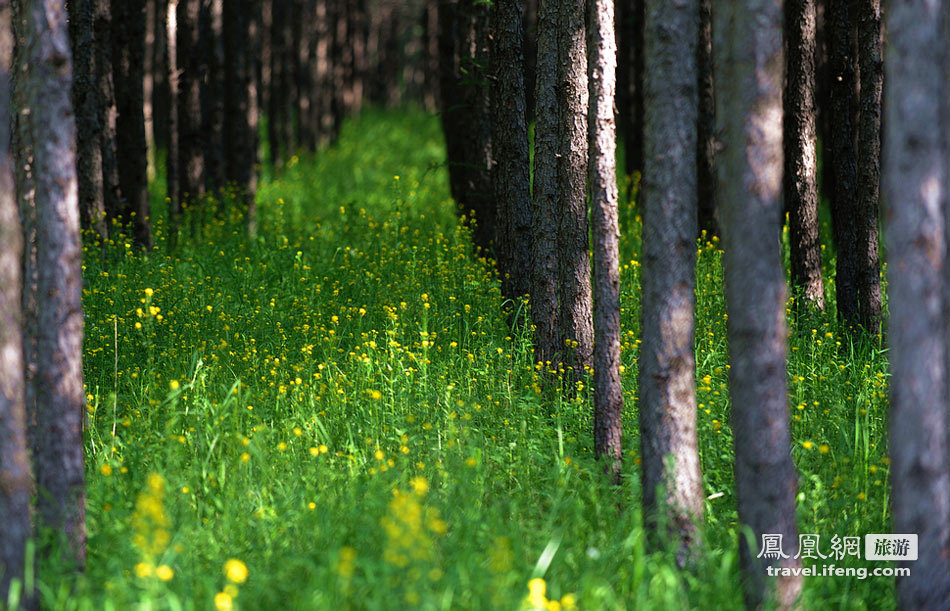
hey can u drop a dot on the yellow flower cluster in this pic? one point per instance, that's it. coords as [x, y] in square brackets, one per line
[410, 527]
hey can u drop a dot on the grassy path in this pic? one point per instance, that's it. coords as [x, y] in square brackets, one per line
[339, 406]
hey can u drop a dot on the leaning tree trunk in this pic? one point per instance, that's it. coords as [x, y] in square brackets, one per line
[511, 182]
[915, 185]
[15, 473]
[869, 163]
[670, 204]
[843, 202]
[749, 63]
[706, 131]
[602, 150]
[86, 103]
[572, 240]
[801, 154]
[128, 56]
[191, 158]
[44, 74]
[544, 306]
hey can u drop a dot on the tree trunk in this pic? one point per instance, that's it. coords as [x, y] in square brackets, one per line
[749, 64]
[530, 55]
[915, 193]
[304, 62]
[630, 18]
[801, 154]
[706, 151]
[45, 75]
[240, 27]
[128, 55]
[322, 78]
[869, 163]
[843, 202]
[108, 112]
[544, 306]
[212, 92]
[572, 242]
[279, 121]
[191, 150]
[15, 473]
[161, 101]
[510, 176]
[602, 148]
[86, 103]
[670, 203]
[172, 158]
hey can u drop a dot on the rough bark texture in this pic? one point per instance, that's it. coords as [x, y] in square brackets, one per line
[241, 21]
[843, 201]
[668, 438]
[128, 56]
[57, 452]
[801, 154]
[191, 159]
[572, 240]
[544, 305]
[749, 63]
[15, 478]
[602, 149]
[86, 103]
[915, 195]
[706, 143]
[108, 113]
[869, 163]
[511, 182]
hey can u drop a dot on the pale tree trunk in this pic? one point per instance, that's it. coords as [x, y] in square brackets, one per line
[128, 57]
[574, 316]
[871, 61]
[801, 154]
[668, 438]
[511, 183]
[749, 64]
[915, 186]
[86, 102]
[544, 306]
[15, 474]
[602, 151]
[45, 76]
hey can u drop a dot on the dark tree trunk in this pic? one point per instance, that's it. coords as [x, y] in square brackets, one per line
[544, 306]
[530, 54]
[279, 119]
[323, 76]
[240, 28]
[161, 100]
[916, 177]
[602, 147]
[869, 163]
[448, 93]
[844, 199]
[706, 151]
[801, 154]
[212, 92]
[192, 170]
[630, 18]
[573, 245]
[44, 74]
[16, 491]
[749, 67]
[128, 55]
[669, 203]
[86, 103]
[173, 158]
[303, 66]
[511, 180]
[108, 112]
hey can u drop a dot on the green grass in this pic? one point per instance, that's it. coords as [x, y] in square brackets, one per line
[339, 405]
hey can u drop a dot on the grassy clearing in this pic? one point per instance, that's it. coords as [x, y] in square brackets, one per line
[339, 406]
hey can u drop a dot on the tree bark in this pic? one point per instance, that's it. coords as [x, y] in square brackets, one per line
[16, 491]
[843, 202]
[544, 255]
[871, 62]
[630, 18]
[748, 49]
[172, 158]
[192, 170]
[85, 101]
[44, 73]
[108, 111]
[706, 151]
[161, 101]
[602, 149]
[670, 203]
[573, 245]
[212, 92]
[801, 154]
[915, 193]
[511, 182]
[128, 55]
[279, 119]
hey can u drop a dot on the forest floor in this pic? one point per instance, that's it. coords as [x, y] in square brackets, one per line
[334, 415]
